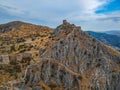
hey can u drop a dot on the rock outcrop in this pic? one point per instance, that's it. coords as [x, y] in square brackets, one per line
[73, 61]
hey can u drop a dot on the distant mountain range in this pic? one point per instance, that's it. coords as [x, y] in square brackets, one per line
[113, 32]
[111, 38]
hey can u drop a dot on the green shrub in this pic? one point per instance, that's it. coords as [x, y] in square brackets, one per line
[12, 48]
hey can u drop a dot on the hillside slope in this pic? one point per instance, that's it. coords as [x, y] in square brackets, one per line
[73, 61]
[18, 37]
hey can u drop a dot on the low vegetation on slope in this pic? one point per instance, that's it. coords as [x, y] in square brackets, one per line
[67, 59]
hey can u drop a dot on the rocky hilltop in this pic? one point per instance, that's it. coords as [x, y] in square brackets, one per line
[71, 60]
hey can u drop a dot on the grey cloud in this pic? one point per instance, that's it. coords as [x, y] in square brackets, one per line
[115, 19]
[13, 11]
[7, 7]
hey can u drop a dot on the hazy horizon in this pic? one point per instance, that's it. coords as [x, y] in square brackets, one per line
[95, 15]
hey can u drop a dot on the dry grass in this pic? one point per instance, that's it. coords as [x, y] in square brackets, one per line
[112, 50]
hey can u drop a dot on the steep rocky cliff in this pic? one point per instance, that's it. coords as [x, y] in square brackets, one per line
[72, 61]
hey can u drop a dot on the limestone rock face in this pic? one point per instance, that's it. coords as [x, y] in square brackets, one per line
[74, 61]
[97, 65]
[5, 59]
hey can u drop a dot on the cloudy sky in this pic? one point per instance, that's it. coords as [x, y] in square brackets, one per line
[96, 15]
